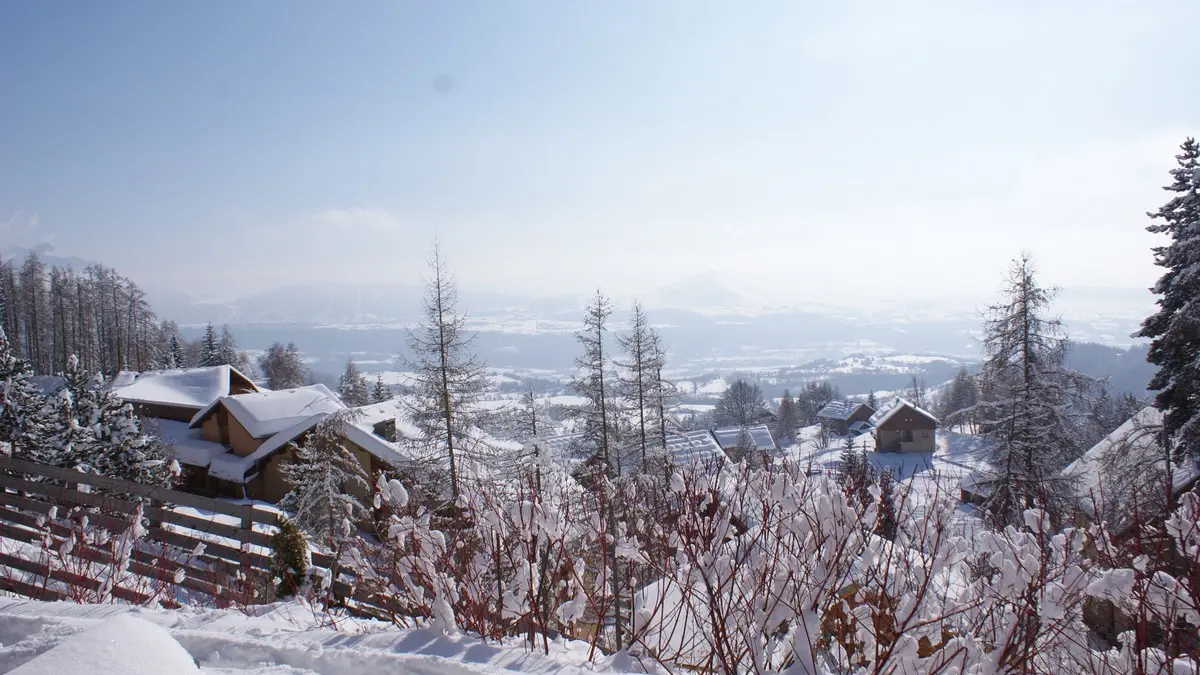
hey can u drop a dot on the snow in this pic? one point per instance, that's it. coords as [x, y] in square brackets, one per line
[266, 413]
[282, 638]
[731, 437]
[122, 645]
[694, 447]
[839, 410]
[186, 444]
[191, 387]
[1137, 435]
[886, 413]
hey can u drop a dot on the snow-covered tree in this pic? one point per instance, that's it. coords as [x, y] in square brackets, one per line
[282, 366]
[381, 393]
[329, 483]
[19, 401]
[788, 419]
[639, 380]
[352, 386]
[119, 446]
[1028, 411]
[740, 405]
[872, 402]
[448, 377]
[1172, 330]
[210, 348]
[227, 348]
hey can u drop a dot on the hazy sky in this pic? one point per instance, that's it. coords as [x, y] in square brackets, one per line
[557, 146]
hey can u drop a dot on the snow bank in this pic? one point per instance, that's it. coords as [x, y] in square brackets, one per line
[122, 645]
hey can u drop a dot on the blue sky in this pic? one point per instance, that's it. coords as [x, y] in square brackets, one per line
[227, 146]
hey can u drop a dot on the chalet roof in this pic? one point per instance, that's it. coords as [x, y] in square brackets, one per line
[694, 447]
[360, 431]
[186, 387]
[1132, 446]
[734, 437]
[859, 427]
[266, 413]
[884, 414]
[186, 444]
[840, 410]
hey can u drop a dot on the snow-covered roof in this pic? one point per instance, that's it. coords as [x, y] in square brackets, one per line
[189, 387]
[840, 410]
[187, 445]
[1127, 456]
[266, 413]
[734, 437]
[884, 414]
[360, 431]
[859, 427]
[694, 447]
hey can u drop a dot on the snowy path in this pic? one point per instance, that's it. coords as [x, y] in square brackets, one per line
[283, 641]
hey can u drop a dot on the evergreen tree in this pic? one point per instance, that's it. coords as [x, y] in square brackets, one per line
[381, 393]
[19, 400]
[178, 354]
[449, 378]
[788, 419]
[887, 522]
[1172, 330]
[1028, 412]
[290, 558]
[282, 366]
[66, 443]
[227, 348]
[872, 402]
[119, 447]
[210, 348]
[326, 479]
[741, 404]
[352, 386]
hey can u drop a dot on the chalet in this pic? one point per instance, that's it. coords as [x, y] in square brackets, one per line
[236, 445]
[179, 394]
[754, 443]
[845, 417]
[903, 427]
[573, 451]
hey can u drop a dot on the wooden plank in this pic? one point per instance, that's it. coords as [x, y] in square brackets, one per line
[30, 591]
[241, 511]
[202, 524]
[75, 580]
[224, 551]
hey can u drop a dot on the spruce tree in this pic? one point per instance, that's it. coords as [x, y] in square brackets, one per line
[289, 558]
[326, 479]
[227, 349]
[788, 419]
[887, 522]
[872, 402]
[352, 386]
[19, 398]
[1174, 328]
[381, 393]
[210, 348]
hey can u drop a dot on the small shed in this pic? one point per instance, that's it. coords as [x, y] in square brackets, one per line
[843, 416]
[904, 427]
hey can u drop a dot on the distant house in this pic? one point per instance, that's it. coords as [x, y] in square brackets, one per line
[754, 443]
[846, 416]
[903, 427]
[572, 451]
[180, 393]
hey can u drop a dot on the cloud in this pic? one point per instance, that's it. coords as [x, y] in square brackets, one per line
[21, 229]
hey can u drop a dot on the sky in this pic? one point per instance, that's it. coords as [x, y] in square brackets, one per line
[222, 148]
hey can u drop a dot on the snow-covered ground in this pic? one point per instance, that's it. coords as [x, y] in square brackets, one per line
[40, 638]
[927, 474]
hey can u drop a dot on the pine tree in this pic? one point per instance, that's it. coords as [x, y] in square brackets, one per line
[381, 393]
[352, 386]
[289, 558]
[449, 378]
[178, 355]
[887, 521]
[872, 402]
[19, 400]
[282, 366]
[326, 477]
[788, 419]
[1172, 330]
[227, 348]
[1028, 410]
[210, 348]
[119, 447]
[741, 405]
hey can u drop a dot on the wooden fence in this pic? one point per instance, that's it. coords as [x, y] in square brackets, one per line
[233, 565]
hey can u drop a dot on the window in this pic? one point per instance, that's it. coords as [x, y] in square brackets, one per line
[906, 436]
